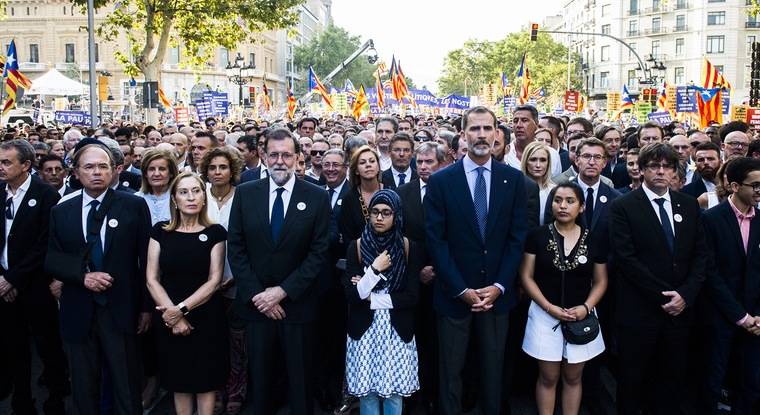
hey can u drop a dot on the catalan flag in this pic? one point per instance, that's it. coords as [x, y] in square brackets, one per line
[626, 102]
[712, 78]
[163, 99]
[398, 83]
[381, 68]
[662, 99]
[349, 88]
[524, 73]
[14, 79]
[267, 101]
[709, 106]
[504, 84]
[291, 100]
[316, 85]
[361, 101]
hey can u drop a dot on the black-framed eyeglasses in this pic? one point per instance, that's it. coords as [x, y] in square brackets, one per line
[317, 152]
[755, 186]
[386, 213]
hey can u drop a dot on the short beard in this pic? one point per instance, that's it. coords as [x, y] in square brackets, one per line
[481, 151]
[280, 177]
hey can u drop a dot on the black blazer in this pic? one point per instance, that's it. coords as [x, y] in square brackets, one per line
[414, 214]
[619, 176]
[647, 267]
[125, 255]
[293, 263]
[130, 180]
[733, 277]
[351, 220]
[695, 188]
[28, 238]
[564, 158]
[250, 175]
[337, 242]
[599, 226]
[360, 316]
[390, 183]
[532, 202]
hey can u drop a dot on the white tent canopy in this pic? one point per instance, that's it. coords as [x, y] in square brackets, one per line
[55, 83]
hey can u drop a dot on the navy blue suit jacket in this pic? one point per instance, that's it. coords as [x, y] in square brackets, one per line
[695, 188]
[461, 258]
[733, 277]
[250, 175]
[125, 255]
[619, 175]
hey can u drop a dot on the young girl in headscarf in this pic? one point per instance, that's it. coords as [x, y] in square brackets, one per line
[381, 285]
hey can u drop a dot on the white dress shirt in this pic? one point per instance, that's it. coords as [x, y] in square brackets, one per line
[264, 172]
[585, 187]
[158, 205]
[336, 194]
[423, 190]
[668, 205]
[285, 195]
[310, 173]
[385, 162]
[221, 215]
[543, 195]
[710, 186]
[86, 199]
[17, 198]
[407, 177]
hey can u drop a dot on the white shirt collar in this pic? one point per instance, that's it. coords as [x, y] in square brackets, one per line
[337, 188]
[470, 165]
[585, 187]
[408, 172]
[422, 184]
[652, 195]
[86, 199]
[22, 189]
[288, 185]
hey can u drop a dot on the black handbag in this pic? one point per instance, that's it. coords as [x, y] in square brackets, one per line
[580, 331]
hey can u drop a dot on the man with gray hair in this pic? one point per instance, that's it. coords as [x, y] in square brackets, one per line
[123, 179]
[430, 157]
[71, 138]
[352, 144]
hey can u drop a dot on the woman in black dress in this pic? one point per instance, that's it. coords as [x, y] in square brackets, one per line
[365, 177]
[184, 272]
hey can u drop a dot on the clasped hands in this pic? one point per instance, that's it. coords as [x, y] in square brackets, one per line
[752, 325]
[268, 302]
[7, 291]
[481, 299]
[174, 319]
[676, 304]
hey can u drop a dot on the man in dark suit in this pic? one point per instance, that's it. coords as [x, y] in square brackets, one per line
[98, 248]
[401, 170]
[259, 172]
[277, 247]
[475, 234]
[615, 168]
[429, 157]
[332, 308]
[26, 302]
[707, 156]
[659, 247]
[733, 290]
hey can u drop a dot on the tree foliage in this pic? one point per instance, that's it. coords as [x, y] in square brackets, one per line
[328, 50]
[478, 63]
[200, 26]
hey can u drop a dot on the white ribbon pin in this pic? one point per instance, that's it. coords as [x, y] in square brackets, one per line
[301, 206]
[125, 184]
[339, 202]
[203, 237]
[582, 259]
[113, 223]
[677, 217]
[32, 203]
[603, 199]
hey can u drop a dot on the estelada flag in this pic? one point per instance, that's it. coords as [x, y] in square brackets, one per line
[291, 100]
[316, 85]
[709, 106]
[711, 76]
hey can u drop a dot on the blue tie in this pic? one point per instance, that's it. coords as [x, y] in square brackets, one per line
[481, 202]
[278, 214]
[331, 192]
[9, 208]
[96, 253]
[665, 221]
[401, 178]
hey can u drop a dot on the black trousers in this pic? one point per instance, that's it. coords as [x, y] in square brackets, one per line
[490, 332]
[265, 338]
[34, 312]
[427, 345]
[724, 343]
[105, 344]
[331, 348]
[653, 360]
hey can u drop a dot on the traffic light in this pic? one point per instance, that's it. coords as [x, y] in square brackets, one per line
[150, 94]
[754, 90]
[533, 32]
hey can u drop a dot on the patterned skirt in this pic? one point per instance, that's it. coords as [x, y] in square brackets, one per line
[380, 362]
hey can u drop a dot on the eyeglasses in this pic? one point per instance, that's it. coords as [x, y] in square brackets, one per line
[422, 138]
[332, 165]
[385, 213]
[737, 144]
[273, 157]
[755, 186]
[317, 152]
[589, 157]
[658, 166]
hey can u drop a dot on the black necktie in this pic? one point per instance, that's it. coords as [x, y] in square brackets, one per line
[401, 178]
[589, 206]
[278, 214]
[9, 208]
[331, 192]
[665, 222]
[96, 252]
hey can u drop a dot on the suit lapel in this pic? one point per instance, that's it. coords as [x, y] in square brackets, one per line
[728, 216]
[75, 219]
[679, 226]
[464, 197]
[114, 213]
[293, 211]
[23, 208]
[261, 201]
[753, 242]
[599, 205]
[497, 198]
[648, 211]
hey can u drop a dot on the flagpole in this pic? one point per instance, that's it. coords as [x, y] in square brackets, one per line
[91, 61]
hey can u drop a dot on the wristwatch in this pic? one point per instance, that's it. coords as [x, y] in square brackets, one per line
[372, 267]
[183, 308]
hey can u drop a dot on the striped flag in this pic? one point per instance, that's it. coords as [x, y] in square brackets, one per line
[626, 102]
[712, 78]
[267, 101]
[291, 100]
[316, 85]
[381, 68]
[524, 73]
[709, 106]
[398, 83]
[402, 82]
[361, 101]
[662, 99]
[163, 99]
[349, 88]
[14, 79]
[504, 84]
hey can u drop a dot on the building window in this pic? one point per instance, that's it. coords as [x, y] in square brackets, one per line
[603, 79]
[633, 28]
[224, 57]
[630, 52]
[632, 77]
[605, 53]
[656, 5]
[679, 46]
[681, 23]
[715, 44]
[252, 59]
[716, 18]
[70, 53]
[97, 53]
[678, 77]
[716, 1]
[28, 11]
[681, 4]
[656, 23]
[655, 48]
[750, 40]
[634, 7]
[34, 53]
[174, 55]
[606, 29]
[605, 10]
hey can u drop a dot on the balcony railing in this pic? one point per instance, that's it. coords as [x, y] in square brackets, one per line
[655, 31]
[682, 5]
[632, 33]
[32, 66]
[630, 12]
[677, 29]
[752, 25]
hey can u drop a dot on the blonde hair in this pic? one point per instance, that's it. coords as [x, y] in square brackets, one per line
[545, 180]
[176, 218]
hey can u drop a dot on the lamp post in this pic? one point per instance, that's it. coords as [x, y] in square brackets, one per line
[238, 73]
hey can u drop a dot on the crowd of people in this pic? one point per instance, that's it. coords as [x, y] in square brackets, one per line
[398, 264]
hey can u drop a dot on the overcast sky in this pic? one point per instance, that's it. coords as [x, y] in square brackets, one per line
[427, 30]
